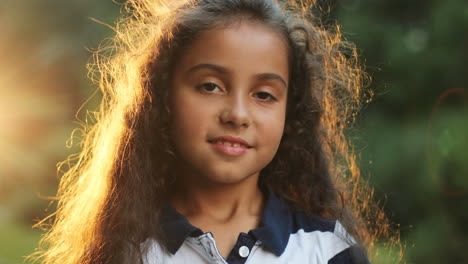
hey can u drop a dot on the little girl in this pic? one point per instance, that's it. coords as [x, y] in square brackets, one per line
[220, 139]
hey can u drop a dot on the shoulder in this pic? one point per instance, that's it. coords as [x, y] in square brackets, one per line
[325, 239]
[292, 234]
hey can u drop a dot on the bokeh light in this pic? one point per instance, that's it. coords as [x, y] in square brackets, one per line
[412, 136]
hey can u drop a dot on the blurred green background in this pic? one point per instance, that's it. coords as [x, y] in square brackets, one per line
[413, 136]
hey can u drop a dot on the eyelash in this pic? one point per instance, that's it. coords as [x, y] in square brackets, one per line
[208, 84]
[269, 96]
[203, 87]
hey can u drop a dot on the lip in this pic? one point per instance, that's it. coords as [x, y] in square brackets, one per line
[230, 150]
[231, 139]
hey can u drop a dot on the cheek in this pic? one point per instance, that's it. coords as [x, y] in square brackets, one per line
[272, 129]
[185, 122]
[190, 118]
[275, 137]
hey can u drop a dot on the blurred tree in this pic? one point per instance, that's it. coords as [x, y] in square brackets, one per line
[43, 51]
[413, 136]
[415, 131]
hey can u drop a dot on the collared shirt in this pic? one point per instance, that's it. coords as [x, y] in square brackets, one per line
[285, 235]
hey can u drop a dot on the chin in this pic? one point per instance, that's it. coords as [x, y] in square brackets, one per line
[229, 177]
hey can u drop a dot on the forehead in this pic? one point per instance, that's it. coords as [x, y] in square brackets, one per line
[243, 46]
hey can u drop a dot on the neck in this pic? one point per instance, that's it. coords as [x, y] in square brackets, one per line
[219, 202]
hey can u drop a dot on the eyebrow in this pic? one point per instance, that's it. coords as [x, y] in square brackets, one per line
[222, 70]
[272, 76]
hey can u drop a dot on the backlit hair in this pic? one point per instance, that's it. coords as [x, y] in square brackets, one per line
[112, 193]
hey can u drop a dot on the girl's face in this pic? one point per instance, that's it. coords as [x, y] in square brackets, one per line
[228, 102]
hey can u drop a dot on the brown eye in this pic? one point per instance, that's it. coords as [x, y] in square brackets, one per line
[264, 96]
[208, 87]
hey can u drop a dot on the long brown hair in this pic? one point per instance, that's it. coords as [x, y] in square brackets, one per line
[111, 195]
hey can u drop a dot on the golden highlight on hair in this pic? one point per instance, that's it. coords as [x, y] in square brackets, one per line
[112, 190]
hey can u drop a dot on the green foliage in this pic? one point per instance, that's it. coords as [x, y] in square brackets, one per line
[16, 242]
[415, 132]
[412, 137]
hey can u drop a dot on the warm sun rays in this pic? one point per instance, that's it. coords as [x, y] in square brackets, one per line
[38, 98]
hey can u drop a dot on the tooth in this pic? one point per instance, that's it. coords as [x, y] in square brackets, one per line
[236, 145]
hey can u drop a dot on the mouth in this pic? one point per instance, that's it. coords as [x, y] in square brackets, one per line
[230, 146]
[230, 142]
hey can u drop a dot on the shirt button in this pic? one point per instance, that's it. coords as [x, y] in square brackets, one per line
[244, 251]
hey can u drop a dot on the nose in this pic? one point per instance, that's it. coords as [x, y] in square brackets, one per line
[236, 112]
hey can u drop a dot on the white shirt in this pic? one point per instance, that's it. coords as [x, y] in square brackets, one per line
[285, 236]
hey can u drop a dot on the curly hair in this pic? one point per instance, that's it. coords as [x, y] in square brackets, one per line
[127, 151]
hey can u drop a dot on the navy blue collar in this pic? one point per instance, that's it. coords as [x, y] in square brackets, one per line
[274, 230]
[175, 229]
[276, 225]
